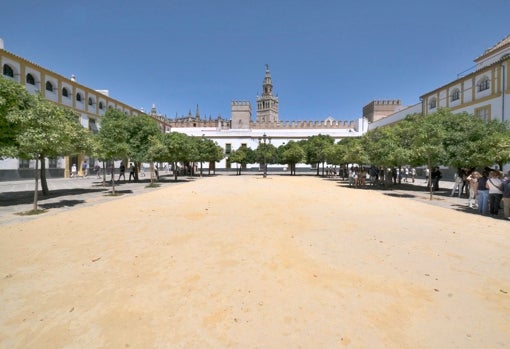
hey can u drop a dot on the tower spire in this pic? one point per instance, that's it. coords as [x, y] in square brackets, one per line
[267, 104]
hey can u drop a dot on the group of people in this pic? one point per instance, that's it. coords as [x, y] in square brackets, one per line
[84, 170]
[488, 191]
[122, 172]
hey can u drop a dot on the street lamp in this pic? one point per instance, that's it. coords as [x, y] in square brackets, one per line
[266, 140]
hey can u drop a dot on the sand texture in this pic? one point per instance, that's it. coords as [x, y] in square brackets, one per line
[246, 262]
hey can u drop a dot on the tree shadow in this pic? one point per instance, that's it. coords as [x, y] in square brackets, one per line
[397, 195]
[62, 203]
[27, 196]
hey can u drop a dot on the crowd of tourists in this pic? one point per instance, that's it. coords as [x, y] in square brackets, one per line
[488, 191]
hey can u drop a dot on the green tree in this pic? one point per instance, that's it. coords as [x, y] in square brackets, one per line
[242, 156]
[112, 138]
[316, 149]
[211, 153]
[266, 153]
[139, 129]
[389, 146]
[47, 130]
[428, 141]
[462, 139]
[494, 146]
[177, 149]
[14, 98]
[354, 151]
[291, 154]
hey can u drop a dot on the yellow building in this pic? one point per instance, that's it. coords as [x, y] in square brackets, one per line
[88, 103]
[485, 92]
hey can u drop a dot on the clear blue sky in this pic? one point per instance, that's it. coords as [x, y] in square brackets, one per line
[327, 57]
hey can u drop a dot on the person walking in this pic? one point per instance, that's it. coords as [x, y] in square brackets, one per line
[122, 172]
[132, 172]
[495, 194]
[97, 170]
[73, 171]
[84, 168]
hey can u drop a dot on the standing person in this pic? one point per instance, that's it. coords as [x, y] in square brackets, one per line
[73, 171]
[483, 194]
[413, 174]
[473, 188]
[351, 176]
[457, 177]
[465, 182]
[131, 172]
[156, 171]
[436, 176]
[84, 168]
[427, 173]
[495, 194]
[97, 168]
[122, 172]
[506, 197]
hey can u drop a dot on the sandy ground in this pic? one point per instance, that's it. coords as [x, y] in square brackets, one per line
[246, 262]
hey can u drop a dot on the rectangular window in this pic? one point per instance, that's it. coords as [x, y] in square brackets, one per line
[484, 113]
[244, 145]
[455, 95]
[24, 163]
[52, 163]
[228, 148]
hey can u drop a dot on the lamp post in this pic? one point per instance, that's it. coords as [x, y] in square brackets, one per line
[265, 140]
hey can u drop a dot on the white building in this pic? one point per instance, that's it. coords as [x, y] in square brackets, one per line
[88, 103]
[484, 92]
[241, 130]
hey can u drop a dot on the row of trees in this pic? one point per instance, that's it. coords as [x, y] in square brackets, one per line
[33, 128]
[442, 138]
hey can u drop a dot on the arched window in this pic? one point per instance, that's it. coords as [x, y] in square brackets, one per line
[91, 101]
[455, 95]
[78, 97]
[101, 106]
[432, 103]
[65, 93]
[49, 86]
[483, 84]
[8, 71]
[30, 79]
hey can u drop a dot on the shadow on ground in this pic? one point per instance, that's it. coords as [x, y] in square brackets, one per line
[27, 197]
[62, 203]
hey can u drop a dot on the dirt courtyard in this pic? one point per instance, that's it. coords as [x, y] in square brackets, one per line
[247, 262]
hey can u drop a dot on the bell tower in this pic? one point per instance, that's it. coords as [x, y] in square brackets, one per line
[267, 104]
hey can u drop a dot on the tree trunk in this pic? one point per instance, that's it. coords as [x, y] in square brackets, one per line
[151, 169]
[44, 182]
[36, 191]
[113, 180]
[318, 168]
[175, 171]
[104, 174]
[430, 181]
